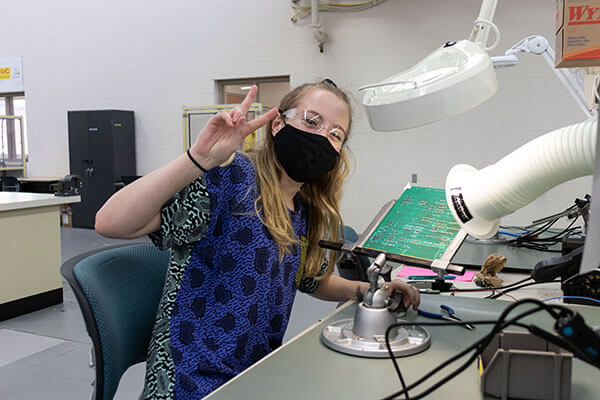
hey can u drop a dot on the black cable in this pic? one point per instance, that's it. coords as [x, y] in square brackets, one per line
[482, 289]
[389, 349]
[513, 227]
[545, 226]
[536, 330]
[495, 296]
[531, 240]
[398, 371]
[480, 345]
[397, 368]
[551, 240]
[559, 235]
[448, 377]
[541, 229]
[558, 341]
[538, 247]
[559, 215]
[532, 235]
[458, 370]
[444, 364]
[536, 232]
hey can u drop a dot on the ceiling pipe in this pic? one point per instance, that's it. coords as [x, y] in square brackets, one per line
[318, 34]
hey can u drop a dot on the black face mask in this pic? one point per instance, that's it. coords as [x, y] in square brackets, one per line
[304, 156]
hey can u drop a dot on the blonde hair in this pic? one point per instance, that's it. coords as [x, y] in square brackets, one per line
[321, 196]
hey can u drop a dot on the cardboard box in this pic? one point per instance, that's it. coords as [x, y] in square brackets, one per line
[577, 33]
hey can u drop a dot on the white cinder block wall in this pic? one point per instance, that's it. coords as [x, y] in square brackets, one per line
[153, 57]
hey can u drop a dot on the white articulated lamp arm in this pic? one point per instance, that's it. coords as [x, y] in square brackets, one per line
[538, 45]
[570, 80]
[591, 249]
[483, 24]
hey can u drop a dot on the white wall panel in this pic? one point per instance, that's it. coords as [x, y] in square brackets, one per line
[154, 57]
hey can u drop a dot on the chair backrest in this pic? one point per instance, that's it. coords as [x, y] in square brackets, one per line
[350, 234]
[118, 290]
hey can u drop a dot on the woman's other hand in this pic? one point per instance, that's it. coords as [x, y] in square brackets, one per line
[412, 297]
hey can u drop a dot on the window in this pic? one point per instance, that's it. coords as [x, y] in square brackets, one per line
[11, 148]
[270, 90]
[196, 117]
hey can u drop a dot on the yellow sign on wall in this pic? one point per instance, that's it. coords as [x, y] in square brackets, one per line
[4, 72]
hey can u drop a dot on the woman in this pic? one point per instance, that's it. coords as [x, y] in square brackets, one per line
[243, 233]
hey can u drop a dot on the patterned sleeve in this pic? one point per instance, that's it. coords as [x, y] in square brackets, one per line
[310, 284]
[184, 218]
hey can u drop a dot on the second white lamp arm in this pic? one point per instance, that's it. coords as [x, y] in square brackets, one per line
[483, 25]
[538, 45]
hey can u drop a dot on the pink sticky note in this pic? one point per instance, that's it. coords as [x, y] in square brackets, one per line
[407, 271]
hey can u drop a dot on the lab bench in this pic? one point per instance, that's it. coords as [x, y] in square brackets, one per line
[30, 251]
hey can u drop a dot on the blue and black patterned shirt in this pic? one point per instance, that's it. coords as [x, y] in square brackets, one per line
[228, 297]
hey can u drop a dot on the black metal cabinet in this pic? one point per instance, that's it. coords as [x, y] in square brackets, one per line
[101, 152]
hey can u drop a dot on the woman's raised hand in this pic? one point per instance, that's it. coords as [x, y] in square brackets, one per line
[225, 132]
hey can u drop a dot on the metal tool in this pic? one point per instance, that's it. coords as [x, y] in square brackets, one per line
[364, 335]
[442, 265]
[450, 315]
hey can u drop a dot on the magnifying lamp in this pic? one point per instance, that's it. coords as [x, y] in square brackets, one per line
[459, 76]
[453, 79]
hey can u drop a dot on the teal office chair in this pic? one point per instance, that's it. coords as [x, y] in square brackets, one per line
[350, 234]
[118, 290]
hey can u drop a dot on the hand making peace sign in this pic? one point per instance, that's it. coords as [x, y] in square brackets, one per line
[225, 132]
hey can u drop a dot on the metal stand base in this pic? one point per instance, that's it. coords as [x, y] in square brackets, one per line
[496, 239]
[404, 341]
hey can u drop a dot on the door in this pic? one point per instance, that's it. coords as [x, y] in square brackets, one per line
[99, 177]
[79, 160]
[95, 166]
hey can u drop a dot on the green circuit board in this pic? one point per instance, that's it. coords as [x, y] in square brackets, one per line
[418, 225]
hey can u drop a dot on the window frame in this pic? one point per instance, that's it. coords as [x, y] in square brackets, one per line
[221, 83]
[11, 134]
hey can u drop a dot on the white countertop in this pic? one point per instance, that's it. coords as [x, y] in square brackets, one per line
[40, 178]
[20, 200]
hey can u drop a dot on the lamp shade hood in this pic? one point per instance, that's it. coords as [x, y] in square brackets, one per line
[453, 79]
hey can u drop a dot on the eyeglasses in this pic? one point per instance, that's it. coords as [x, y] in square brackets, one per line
[312, 122]
[332, 83]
